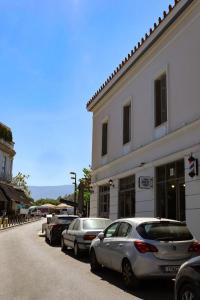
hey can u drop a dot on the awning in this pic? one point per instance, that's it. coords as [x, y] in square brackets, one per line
[14, 194]
[2, 197]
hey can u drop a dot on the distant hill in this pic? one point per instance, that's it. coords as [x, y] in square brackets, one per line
[53, 192]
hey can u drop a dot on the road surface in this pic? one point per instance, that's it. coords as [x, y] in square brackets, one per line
[30, 269]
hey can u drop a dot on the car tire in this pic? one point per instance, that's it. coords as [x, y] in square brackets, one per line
[76, 250]
[94, 265]
[63, 247]
[129, 279]
[189, 291]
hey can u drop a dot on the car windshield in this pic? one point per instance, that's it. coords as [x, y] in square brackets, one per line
[65, 220]
[95, 223]
[164, 231]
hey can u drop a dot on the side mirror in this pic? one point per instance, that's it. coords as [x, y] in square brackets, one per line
[101, 236]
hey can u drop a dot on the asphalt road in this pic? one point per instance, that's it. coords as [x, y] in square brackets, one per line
[30, 269]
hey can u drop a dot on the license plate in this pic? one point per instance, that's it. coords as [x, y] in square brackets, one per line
[171, 269]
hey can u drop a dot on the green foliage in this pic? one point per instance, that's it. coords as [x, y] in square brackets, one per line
[5, 133]
[20, 180]
[86, 182]
[45, 201]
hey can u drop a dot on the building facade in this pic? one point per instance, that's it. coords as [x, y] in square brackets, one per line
[146, 125]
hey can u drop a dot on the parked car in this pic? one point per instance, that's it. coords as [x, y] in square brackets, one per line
[81, 232]
[44, 225]
[141, 248]
[56, 225]
[187, 284]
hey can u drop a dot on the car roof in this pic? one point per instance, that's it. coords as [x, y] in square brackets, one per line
[139, 220]
[66, 216]
[91, 218]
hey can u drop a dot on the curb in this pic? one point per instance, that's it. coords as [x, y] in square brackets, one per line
[16, 225]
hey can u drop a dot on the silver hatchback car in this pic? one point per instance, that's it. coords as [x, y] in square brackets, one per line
[142, 248]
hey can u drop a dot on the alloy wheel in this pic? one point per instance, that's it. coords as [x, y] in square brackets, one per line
[188, 295]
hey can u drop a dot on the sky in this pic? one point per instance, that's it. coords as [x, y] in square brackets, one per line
[54, 55]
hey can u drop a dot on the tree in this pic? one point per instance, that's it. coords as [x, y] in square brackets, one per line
[84, 190]
[20, 180]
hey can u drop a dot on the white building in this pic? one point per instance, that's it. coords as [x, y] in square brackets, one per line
[146, 125]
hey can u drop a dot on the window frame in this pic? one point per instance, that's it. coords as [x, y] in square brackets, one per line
[104, 138]
[127, 123]
[160, 102]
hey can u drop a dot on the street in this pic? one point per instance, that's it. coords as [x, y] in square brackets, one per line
[31, 269]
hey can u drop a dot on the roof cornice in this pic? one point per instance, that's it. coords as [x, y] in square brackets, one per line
[142, 47]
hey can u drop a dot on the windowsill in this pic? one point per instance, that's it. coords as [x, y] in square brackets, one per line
[160, 130]
[126, 148]
[104, 159]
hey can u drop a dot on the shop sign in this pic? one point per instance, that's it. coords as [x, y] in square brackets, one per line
[145, 182]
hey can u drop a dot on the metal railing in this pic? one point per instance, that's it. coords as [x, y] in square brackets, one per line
[6, 222]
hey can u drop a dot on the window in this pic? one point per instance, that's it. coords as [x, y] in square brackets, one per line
[127, 124]
[95, 224]
[111, 230]
[127, 197]
[104, 201]
[77, 225]
[170, 190]
[164, 231]
[104, 149]
[160, 91]
[124, 229]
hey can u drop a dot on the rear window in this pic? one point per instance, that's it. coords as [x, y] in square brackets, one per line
[164, 231]
[64, 220]
[95, 223]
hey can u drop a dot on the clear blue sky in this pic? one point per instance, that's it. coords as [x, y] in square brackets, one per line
[54, 54]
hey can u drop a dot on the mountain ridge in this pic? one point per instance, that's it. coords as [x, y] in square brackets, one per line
[53, 192]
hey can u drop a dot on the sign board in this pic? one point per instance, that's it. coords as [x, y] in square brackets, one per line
[145, 182]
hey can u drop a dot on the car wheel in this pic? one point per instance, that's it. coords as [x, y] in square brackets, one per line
[189, 292]
[76, 250]
[94, 265]
[63, 247]
[129, 279]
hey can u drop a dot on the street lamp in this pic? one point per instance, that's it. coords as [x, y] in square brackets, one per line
[75, 185]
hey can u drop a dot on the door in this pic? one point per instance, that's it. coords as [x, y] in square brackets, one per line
[103, 251]
[119, 245]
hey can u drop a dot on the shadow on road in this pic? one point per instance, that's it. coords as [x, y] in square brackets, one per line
[83, 257]
[148, 290]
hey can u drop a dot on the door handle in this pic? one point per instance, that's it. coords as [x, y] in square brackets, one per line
[120, 245]
[107, 244]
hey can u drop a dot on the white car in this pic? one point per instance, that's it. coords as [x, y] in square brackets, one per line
[81, 232]
[142, 248]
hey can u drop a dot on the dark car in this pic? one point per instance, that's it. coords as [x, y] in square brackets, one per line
[55, 227]
[187, 285]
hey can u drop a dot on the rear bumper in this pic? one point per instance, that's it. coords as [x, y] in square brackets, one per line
[148, 268]
[84, 246]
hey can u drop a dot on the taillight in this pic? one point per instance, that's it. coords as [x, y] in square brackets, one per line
[194, 247]
[143, 247]
[89, 237]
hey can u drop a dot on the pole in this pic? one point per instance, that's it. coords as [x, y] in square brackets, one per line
[75, 187]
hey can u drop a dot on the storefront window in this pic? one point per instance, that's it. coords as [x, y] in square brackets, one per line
[127, 197]
[170, 190]
[104, 201]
